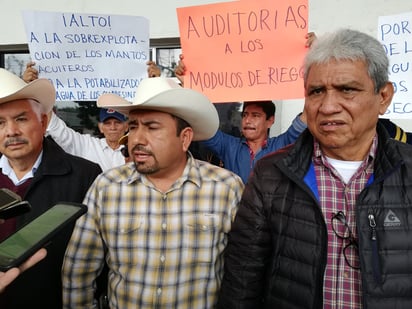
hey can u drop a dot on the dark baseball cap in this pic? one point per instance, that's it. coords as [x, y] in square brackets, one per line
[110, 113]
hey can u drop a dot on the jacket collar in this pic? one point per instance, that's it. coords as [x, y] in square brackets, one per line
[387, 155]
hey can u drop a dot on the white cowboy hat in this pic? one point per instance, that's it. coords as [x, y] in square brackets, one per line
[165, 95]
[14, 88]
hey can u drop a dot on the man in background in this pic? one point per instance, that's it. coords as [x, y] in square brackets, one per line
[104, 151]
[239, 154]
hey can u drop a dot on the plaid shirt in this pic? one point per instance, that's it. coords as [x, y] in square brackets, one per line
[342, 284]
[164, 249]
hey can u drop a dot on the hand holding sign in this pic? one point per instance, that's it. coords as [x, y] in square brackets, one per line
[244, 50]
[75, 51]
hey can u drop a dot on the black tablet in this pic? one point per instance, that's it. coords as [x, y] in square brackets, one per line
[19, 246]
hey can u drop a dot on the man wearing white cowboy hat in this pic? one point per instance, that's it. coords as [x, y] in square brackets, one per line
[106, 151]
[39, 171]
[161, 221]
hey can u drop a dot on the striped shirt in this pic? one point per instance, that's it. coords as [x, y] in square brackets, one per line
[342, 283]
[164, 249]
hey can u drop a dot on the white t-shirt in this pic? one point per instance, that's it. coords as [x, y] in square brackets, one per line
[345, 168]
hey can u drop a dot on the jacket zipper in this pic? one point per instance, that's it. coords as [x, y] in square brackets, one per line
[376, 269]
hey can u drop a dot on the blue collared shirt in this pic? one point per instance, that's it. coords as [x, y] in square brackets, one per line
[235, 152]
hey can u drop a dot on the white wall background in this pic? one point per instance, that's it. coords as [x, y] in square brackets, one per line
[324, 16]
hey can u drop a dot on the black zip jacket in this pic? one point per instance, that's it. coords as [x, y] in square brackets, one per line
[60, 177]
[278, 244]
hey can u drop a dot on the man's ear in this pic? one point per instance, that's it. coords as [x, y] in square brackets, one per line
[126, 127]
[386, 94]
[271, 121]
[186, 136]
[99, 125]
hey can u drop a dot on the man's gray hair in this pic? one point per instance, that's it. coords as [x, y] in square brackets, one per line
[347, 44]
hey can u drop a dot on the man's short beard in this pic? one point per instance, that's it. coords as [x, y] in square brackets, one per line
[146, 170]
[142, 168]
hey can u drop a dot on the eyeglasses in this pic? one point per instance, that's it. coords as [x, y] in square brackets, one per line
[337, 220]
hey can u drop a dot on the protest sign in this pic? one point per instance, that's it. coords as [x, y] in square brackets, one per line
[395, 33]
[86, 55]
[245, 50]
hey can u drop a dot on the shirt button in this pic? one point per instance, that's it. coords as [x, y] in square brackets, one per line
[164, 225]
[162, 258]
[159, 291]
[346, 275]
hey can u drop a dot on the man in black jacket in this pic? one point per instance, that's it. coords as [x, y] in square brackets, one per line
[39, 171]
[325, 223]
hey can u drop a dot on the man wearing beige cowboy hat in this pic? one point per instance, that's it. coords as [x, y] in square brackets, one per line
[161, 221]
[38, 170]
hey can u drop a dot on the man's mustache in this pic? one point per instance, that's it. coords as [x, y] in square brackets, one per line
[15, 140]
[141, 148]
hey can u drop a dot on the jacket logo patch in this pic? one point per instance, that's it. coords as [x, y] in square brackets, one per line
[391, 219]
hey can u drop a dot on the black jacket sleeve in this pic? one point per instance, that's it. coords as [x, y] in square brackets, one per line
[247, 254]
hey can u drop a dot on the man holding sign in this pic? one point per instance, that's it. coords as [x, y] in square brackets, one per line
[104, 151]
[239, 154]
